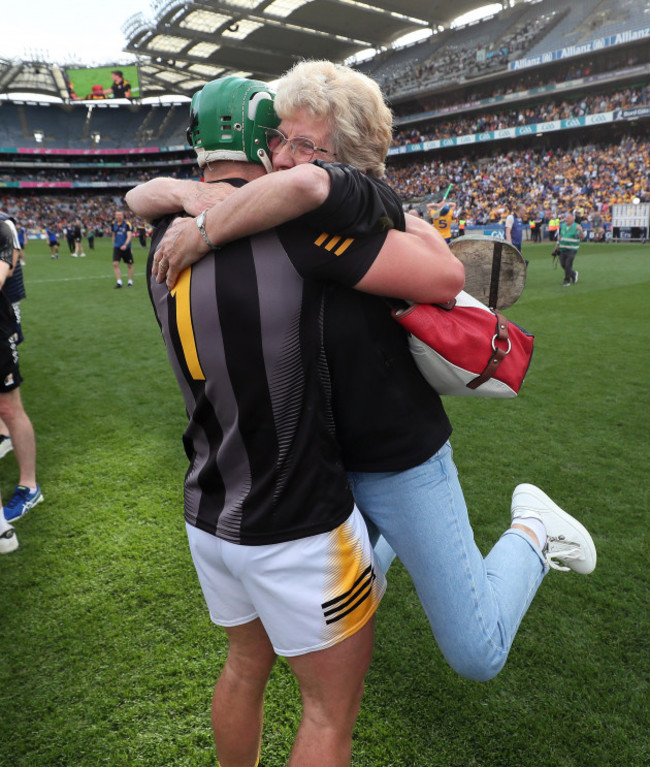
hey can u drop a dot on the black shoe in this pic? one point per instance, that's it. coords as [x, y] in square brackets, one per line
[118, 285]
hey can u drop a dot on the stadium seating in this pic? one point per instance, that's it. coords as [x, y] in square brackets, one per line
[439, 89]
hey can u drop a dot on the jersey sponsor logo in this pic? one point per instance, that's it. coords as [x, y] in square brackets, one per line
[333, 243]
[336, 609]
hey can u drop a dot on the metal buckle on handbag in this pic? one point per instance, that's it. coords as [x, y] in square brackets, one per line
[499, 354]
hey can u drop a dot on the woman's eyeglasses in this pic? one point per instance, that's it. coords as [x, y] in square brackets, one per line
[302, 149]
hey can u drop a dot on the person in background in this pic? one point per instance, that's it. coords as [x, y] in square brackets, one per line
[538, 222]
[12, 414]
[68, 231]
[569, 238]
[53, 239]
[96, 94]
[442, 214]
[90, 234]
[142, 235]
[121, 88]
[515, 227]
[22, 240]
[122, 235]
[78, 246]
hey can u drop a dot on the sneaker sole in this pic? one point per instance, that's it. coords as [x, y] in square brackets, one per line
[5, 449]
[583, 566]
[7, 545]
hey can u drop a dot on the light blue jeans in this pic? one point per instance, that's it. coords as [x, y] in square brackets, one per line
[474, 604]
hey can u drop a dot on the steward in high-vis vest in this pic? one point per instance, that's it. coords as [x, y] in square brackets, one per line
[568, 243]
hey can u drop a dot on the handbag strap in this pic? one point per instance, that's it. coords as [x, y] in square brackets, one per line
[495, 276]
[499, 353]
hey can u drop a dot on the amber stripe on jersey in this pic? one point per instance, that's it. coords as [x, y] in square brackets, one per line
[181, 292]
[330, 242]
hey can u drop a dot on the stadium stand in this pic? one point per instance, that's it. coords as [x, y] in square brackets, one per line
[551, 131]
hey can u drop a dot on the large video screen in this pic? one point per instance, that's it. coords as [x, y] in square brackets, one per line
[99, 83]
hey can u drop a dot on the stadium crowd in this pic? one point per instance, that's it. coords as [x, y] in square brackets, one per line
[525, 81]
[547, 111]
[89, 174]
[591, 177]
[451, 61]
[36, 212]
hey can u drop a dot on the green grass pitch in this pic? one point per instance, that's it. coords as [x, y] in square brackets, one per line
[107, 654]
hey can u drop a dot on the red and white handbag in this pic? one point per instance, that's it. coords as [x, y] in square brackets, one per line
[466, 349]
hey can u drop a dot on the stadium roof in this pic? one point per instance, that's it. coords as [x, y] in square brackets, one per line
[189, 42]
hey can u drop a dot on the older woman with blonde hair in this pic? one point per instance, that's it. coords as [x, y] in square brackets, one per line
[348, 103]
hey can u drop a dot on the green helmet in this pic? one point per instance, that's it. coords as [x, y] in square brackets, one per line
[228, 119]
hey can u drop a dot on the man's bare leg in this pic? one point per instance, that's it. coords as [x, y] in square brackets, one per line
[331, 684]
[22, 435]
[238, 701]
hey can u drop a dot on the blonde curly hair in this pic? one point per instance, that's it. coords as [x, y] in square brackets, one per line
[352, 104]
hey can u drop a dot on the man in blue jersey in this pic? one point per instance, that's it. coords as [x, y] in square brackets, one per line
[53, 239]
[22, 241]
[515, 227]
[122, 235]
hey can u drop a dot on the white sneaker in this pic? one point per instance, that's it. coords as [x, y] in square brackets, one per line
[8, 538]
[568, 542]
[6, 445]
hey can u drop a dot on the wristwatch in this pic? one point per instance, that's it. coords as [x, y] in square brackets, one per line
[200, 222]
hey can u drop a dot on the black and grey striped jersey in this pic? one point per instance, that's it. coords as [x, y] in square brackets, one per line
[244, 334]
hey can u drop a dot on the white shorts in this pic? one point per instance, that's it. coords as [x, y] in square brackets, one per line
[309, 594]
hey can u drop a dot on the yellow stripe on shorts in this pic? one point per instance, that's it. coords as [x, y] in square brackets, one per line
[350, 597]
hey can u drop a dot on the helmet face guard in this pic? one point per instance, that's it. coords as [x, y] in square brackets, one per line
[228, 121]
